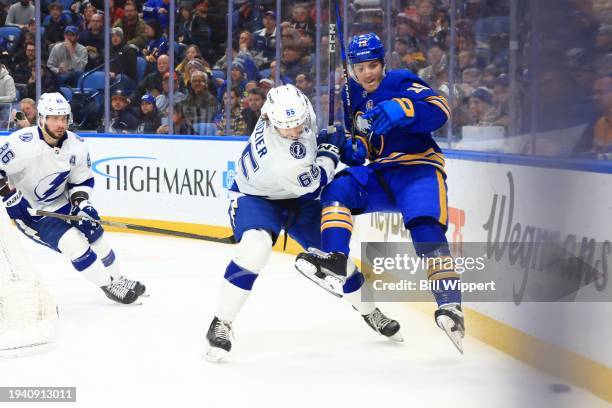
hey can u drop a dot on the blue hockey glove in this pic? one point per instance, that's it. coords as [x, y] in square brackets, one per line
[17, 207]
[329, 144]
[89, 224]
[353, 157]
[390, 114]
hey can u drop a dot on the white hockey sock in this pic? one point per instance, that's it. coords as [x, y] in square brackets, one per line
[97, 274]
[231, 298]
[361, 299]
[107, 257]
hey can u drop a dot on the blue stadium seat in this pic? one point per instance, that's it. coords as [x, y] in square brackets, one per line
[265, 73]
[67, 92]
[92, 81]
[141, 67]
[205, 129]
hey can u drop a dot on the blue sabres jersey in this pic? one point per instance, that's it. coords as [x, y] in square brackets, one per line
[409, 145]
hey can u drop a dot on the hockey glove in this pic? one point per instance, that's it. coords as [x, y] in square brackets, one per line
[17, 207]
[389, 114]
[89, 224]
[353, 156]
[329, 144]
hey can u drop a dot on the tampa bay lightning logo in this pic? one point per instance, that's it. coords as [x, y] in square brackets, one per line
[362, 125]
[50, 187]
[26, 137]
[297, 150]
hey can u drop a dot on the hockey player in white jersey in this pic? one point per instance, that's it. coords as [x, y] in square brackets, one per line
[46, 167]
[280, 175]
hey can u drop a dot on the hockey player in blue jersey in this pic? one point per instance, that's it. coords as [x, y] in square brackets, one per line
[280, 174]
[394, 114]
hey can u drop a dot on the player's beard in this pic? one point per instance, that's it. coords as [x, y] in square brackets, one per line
[53, 135]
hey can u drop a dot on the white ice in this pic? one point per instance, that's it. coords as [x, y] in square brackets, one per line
[295, 345]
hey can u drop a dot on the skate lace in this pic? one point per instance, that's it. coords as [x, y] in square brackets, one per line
[223, 329]
[378, 319]
[119, 288]
[129, 284]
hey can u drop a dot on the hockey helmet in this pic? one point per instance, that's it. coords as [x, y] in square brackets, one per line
[365, 47]
[286, 107]
[51, 104]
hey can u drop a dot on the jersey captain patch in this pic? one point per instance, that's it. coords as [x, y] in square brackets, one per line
[297, 150]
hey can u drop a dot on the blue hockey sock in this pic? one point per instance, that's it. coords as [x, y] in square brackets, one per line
[240, 277]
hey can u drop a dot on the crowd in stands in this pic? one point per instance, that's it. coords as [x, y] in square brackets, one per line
[562, 79]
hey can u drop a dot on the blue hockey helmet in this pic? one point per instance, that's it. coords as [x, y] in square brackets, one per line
[365, 47]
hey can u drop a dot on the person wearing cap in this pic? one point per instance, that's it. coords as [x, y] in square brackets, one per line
[238, 76]
[55, 24]
[150, 120]
[122, 119]
[133, 26]
[264, 40]
[68, 58]
[123, 57]
[20, 13]
[265, 84]
[480, 106]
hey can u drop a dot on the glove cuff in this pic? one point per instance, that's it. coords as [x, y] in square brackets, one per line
[13, 199]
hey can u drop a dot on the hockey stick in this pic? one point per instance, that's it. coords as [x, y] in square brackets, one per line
[347, 106]
[332, 71]
[224, 240]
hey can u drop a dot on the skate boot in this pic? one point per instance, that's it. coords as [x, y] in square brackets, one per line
[120, 290]
[219, 339]
[328, 270]
[449, 317]
[383, 325]
[136, 286]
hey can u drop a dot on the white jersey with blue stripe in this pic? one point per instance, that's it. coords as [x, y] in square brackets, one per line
[277, 168]
[44, 174]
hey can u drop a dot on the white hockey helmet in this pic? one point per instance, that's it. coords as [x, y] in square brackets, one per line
[286, 107]
[52, 103]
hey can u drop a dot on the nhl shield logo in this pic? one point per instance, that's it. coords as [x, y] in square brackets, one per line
[297, 150]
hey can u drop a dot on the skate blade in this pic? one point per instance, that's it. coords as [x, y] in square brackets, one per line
[329, 283]
[446, 324]
[397, 337]
[215, 355]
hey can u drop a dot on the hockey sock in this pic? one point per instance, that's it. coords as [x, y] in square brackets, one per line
[336, 228]
[235, 290]
[430, 243]
[92, 271]
[107, 257]
[358, 294]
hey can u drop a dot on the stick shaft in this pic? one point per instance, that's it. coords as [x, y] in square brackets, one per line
[144, 228]
[332, 69]
[347, 105]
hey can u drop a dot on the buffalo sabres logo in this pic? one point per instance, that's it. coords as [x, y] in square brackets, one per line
[297, 150]
[26, 137]
[361, 125]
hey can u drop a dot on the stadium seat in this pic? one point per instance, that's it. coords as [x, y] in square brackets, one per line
[141, 67]
[11, 35]
[91, 82]
[67, 92]
[205, 129]
[265, 73]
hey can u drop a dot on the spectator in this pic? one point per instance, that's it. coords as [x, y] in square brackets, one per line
[116, 13]
[466, 59]
[481, 107]
[123, 56]
[28, 107]
[152, 83]
[122, 118]
[93, 40]
[23, 70]
[180, 125]
[472, 77]
[251, 70]
[89, 11]
[49, 83]
[265, 39]
[156, 10]
[157, 43]
[150, 120]
[55, 24]
[597, 138]
[191, 53]
[256, 99]
[68, 59]
[283, 78]
[20, 14]
[245, 46]
[305, 83]
[436, 58]
[300, 18]
[8, 92]
[265, 84]
[162, 100]
[199, 106]
[183, 25]
[294, 61]
[132, 25]
[201, 31]
[501, 101]
[238, 125]
[239, 79]
[246, 17]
